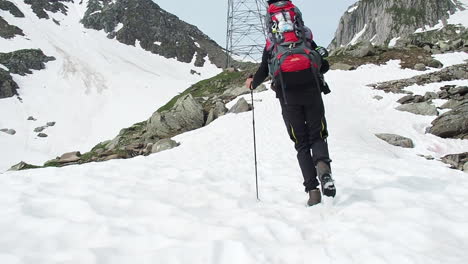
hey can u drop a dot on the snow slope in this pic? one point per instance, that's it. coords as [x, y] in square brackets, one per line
[196, 203]
[95, 87]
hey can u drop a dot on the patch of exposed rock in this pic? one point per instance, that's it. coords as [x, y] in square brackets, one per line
[40, 7]
[8, 87]
[8, 31]
[423, 108]
[457, 161]
[23, 61]
[453, 124]
[456, 72]
[396, 140]
[10, 7]
[240, 107]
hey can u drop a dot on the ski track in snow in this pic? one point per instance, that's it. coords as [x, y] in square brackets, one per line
[196, 203]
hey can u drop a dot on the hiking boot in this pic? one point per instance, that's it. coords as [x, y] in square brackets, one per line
[326, 180]
[314, 197]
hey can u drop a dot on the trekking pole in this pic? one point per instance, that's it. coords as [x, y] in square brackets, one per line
[255, 143]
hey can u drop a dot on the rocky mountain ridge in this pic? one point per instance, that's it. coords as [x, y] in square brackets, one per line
[157, 31]
[381, 21]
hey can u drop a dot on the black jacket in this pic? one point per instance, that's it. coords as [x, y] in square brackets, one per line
[298, 93]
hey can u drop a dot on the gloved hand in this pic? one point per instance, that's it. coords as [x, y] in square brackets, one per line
[248, 82]
[322, 51]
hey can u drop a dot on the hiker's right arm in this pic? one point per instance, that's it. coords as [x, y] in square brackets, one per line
[262, 72]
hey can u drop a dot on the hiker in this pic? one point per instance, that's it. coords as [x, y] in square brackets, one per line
[296, 66]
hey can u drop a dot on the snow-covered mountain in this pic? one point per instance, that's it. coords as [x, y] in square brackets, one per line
[91, 85]
[382, 22]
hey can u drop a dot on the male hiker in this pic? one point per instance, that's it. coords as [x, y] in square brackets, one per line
[296, 67]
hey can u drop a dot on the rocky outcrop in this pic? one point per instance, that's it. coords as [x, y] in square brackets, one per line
[380, 21]
[396, 140]
[41, 6]
[218, 110]
[157, 31]
[8, 131]
[240, 107]
[8, 87]
[453, 124]
[187, 115]
[164, 144]
[456, 72]
[457, 161]
[423, 108]
[12, 8]
[8, 31]
[23, 61]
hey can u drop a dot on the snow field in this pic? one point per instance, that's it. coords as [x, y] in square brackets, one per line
[196, 203]
[96, 87]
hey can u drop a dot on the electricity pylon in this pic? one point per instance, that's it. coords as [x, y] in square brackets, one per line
[245, 38]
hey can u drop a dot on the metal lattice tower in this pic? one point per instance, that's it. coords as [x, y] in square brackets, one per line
[245, 36]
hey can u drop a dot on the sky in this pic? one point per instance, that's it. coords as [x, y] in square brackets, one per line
[210, 16]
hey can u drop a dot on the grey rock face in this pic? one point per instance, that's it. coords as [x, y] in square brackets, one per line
[8, 87]
[186, 115]
[41, 6]
[218, 110]
[70, 157]
[164, 144]
[396, 140]
[363, 49]
[12, 8]
[451, 104]
[22, 61]
[8, 31]
[423, 108]
[420, 67]
[240, 107]
[383, 20]
[156, 30]
[342, 66]
[457, 161]
[456, 72]
[453, 124]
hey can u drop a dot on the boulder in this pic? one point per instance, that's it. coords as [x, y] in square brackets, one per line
[342, 66]
[164, 144]
[406, 99]
[70, 157]
[240, 107]
[9, 131]
[42, 135]
[31, 118]
[423, 108]
[435, 64]
[460, 90]
[186, 115]
[465, 167]
[22, 166]
[456, 161]
[420, 67]
[362, 49]
[240, 90]
[451, 104]
[430, 95]
[453, 124]
[51, 124]
[40, 129]
[218, 110]
[378, 97]
[396, 140]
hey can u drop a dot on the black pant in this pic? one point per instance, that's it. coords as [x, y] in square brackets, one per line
[307, 127]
